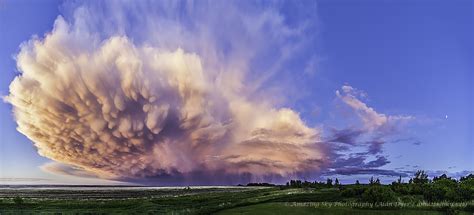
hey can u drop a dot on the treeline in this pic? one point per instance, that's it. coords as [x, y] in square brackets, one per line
[260, 185]
[316, 184]
[418, 188]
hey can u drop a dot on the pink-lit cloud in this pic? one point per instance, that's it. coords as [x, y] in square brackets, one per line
[114, 109]
[173, 101]
[371, 120]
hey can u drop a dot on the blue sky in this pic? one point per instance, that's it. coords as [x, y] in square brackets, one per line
[411, 58]
[20, 20]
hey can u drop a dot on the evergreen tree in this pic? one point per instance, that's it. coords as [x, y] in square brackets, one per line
[329, 182]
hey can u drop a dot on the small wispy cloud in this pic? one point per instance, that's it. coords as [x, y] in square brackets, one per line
[371, 120]
[368, 139]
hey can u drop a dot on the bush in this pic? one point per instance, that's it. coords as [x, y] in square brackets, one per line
[467, 189]
[400, 188]
[348, 192]
[377, 194]
[18, 200]
[414, 199]
[353, 191]
[442, 189]
[434, 193]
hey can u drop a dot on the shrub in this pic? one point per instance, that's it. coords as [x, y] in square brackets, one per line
[414, 199]
[443, 188]
[377, 194]
[18, 200]
[348, 192]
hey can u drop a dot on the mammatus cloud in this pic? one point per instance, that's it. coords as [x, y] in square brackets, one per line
[175, 93]
[118, 109]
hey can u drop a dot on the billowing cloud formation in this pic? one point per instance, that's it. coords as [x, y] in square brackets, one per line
[357, 150]
[116, 107]
[184, 93]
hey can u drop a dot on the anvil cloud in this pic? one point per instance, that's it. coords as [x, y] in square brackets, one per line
[118, 106]
[185, 93]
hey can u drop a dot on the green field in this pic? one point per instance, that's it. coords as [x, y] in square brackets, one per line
[280, 208]
[245, 200]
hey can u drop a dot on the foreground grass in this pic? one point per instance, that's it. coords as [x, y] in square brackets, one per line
[281, 208]
[221, 201]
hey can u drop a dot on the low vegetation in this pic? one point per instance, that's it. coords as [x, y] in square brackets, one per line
[419, 188]
[419, 195]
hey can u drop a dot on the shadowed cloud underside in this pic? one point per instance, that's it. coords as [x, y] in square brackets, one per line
[113, 109]
[190, 93]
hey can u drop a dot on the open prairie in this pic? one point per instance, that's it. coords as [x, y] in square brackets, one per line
[199, 200]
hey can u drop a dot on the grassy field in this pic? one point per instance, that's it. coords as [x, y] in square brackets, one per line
[248, 200]
[281, 208]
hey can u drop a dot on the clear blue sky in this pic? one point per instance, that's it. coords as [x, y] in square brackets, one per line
[410, 57]
[19, 20]
[413, 57]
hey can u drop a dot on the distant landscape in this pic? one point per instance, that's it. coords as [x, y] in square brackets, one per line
[420, 195]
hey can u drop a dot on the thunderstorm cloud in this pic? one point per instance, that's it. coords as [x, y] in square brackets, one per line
[182, 92]
[114, 108]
